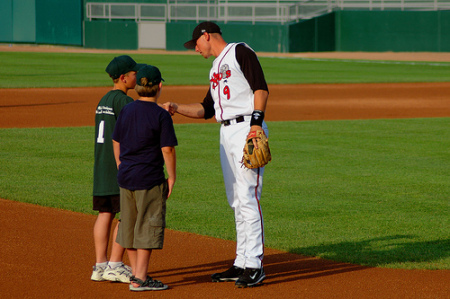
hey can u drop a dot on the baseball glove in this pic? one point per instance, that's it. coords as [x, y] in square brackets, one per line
[256, 157]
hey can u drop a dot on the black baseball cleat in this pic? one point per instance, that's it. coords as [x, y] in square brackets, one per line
[250, 278]
[231, 274]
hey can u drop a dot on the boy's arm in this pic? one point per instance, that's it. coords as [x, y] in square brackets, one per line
[171, 164]
[116, 147]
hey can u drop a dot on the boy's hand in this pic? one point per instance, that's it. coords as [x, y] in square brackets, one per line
[170, 183]
[170, 107]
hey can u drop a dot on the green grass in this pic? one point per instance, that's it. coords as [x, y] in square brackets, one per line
[25, 70]
[372, 192]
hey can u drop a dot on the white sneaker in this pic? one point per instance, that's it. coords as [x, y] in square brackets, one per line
[120, 273]
[127, 267]
[97, 273]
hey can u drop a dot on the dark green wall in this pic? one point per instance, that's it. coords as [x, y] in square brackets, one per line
[17, 21]
[111, 35]
[444, 30]
[6, 28]
[398, 31]
[59, 22]
[41, 21]
[314, 35]
[263, 37]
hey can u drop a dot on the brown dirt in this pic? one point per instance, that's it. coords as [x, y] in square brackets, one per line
[55, 107]
[49, 252]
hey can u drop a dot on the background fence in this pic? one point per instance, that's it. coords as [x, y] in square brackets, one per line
[269, 26]
[41, 21]
[246, 11]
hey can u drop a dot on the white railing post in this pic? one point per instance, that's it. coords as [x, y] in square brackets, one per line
[253, 14]
[197, 17]
[137, 12]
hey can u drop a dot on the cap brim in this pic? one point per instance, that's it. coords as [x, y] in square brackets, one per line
[190, 44]
[138, 66]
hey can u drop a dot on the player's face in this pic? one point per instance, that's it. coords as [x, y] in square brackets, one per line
[131, 79]
[203, 47]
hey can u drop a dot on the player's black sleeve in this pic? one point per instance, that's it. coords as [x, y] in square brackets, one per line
[208, 105]
[251, 68]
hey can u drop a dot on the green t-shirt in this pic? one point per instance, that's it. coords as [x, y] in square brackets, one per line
[105, 168]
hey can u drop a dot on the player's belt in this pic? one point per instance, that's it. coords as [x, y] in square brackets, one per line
[233, 121]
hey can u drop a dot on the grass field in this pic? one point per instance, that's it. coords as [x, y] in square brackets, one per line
[24, 70]
[372, 192]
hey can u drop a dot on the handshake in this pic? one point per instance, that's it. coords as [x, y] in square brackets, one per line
[170, 107]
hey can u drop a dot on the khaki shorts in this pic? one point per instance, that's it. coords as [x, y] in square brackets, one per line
[143, 217]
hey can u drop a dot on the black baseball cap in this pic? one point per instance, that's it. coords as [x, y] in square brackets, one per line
[150, 72]
[201, 28]
[121, 65]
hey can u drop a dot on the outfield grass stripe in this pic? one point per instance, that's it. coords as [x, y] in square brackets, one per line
[387, 62]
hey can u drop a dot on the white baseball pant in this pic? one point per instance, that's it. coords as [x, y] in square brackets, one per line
[243, 188]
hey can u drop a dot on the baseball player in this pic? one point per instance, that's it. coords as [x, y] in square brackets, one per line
[237, 98]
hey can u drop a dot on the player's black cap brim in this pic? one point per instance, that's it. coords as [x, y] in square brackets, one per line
[190, 44]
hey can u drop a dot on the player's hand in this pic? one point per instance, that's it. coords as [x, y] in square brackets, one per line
[255, 140]
[171, 107]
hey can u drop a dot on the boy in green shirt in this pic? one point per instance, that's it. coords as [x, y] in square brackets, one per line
[106, 198]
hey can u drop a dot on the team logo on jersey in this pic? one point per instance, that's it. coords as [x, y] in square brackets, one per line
[224, 74]
[104, 110]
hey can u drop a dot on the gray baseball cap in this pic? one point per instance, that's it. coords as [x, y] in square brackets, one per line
[201, 28]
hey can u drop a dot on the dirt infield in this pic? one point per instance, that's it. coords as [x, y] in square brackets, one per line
[48, 253]
[55, 107]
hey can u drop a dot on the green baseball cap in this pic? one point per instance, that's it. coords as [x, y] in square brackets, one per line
[121, 65]
[150, 72]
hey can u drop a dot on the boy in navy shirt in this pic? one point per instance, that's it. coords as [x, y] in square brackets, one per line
[144, 140]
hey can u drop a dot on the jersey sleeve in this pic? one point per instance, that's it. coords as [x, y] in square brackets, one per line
[208, 105]
[116, 132]
[167, 136]
[251, 68]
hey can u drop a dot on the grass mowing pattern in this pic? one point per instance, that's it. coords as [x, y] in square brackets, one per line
[26, 70]
[372, 192]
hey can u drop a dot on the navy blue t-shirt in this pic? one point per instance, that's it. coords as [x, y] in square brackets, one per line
[142, 129]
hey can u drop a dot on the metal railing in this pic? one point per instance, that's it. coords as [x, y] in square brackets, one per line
[246, 11]
[126, 11]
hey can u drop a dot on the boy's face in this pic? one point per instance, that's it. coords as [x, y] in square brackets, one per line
[130, 79]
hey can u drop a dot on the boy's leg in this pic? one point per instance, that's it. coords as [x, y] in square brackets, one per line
[117, 270]
[148, 233]
[142, 262]
[102, 228]
[132, 255]
[117, 250]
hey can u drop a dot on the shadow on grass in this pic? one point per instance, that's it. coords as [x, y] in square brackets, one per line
[381, 251]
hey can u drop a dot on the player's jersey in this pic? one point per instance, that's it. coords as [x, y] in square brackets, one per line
[105, 168]
[232, 84]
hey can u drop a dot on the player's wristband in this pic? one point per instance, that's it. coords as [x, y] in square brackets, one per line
[257, 118]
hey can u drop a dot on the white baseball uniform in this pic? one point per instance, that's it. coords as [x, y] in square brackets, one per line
[234, 76]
